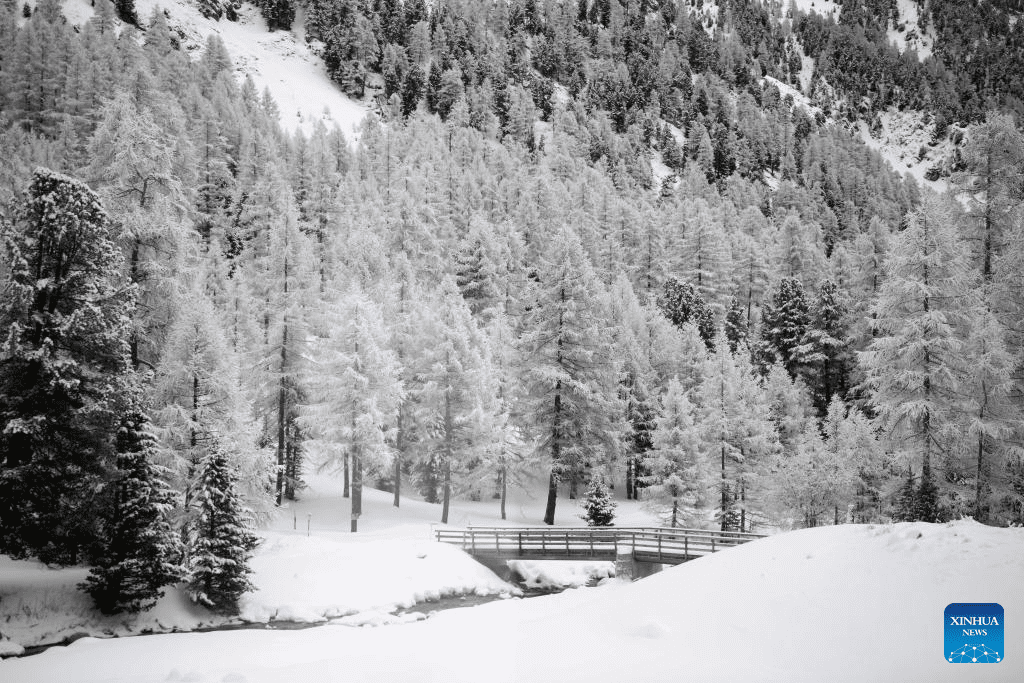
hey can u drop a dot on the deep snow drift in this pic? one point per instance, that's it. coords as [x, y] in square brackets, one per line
[847, 603]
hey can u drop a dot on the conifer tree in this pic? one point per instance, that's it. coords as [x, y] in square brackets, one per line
[784, 321]
[598, 506]
[458, 392]
[990, 414]
[140, 552]
[735, 326]
[707, 263]
[356, 388]
[852, 443]
[133, 168]
[572, 400]
[64, 363]
[823, 356]
[223, 543]
[680, 472]
[682, 303]
[915, 363]
[126, 11]
[738, 433]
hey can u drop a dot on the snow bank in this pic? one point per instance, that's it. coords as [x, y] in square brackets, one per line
[310, 579]
[43, 605]
[837, 604]
[554, 574]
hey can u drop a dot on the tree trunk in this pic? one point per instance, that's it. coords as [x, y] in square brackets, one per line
[446, 469]
[282, 395]
[504, 489]
[399, 445]
[630, 465]
[556, 447]
[977, 482]
[345, 486]
[725, 494]
[357, 489]
[549, 512]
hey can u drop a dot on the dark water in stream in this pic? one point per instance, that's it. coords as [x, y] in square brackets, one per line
[428, 608]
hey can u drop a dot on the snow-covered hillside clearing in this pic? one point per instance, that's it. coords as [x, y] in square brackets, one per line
[847, 603]
[906, 33]
[281, 61]
[905, 140]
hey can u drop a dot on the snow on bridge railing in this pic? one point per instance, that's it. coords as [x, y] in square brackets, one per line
[653, 543]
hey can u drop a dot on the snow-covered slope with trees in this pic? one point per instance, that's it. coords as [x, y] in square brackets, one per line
[282, 62]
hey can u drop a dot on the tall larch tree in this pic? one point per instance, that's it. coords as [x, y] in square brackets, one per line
[355, 387]
[915, 363]
[571, 375]
[680, 477]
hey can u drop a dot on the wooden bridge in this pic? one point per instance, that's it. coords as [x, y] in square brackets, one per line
[646, 547]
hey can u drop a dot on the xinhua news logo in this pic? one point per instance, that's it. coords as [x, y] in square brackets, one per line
[974, 633]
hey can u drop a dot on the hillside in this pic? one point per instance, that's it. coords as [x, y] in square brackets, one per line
[755, 266]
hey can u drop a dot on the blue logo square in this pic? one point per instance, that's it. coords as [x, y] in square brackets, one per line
[974, 633]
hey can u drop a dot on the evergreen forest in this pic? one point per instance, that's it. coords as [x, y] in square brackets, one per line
[596, 241]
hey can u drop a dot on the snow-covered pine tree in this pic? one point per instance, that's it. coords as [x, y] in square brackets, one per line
[64, 364]
[279, 14]
[811, 481]
[637, 382]
[707, 262]
[132, 166]
[572, 404]
[679, 470]
[823, 357]
[139, 552]
[852, 443]
[990, 415]
[219, 560]
[196, 394]
[784, 321]
[738, 432]
[355, 388]
[598, 506]
[789, 405]
[459, 387]
[915, 363]
[735, 326]
[682, 303]
[993, 157]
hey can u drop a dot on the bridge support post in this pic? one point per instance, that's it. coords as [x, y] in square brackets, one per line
[624, 563]
[629, 568]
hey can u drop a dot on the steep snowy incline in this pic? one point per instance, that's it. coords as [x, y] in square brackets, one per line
[838, 604]
[279, 61]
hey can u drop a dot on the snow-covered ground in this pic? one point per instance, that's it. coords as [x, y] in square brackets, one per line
[847, 603]
[905, 142]
[826, 8]
[907, 34]
[281, 61]
[310, 568]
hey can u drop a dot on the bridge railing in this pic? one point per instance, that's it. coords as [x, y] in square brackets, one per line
[646, 543]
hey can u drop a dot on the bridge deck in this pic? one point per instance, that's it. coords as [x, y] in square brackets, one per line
[645, 544]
